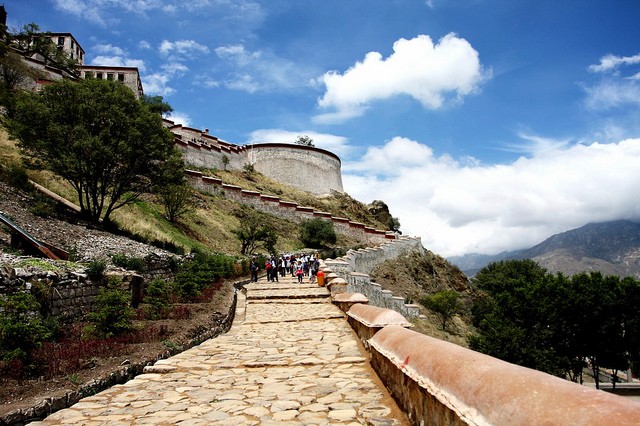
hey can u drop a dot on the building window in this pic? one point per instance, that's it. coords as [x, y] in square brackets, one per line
[60, 41]
[99, 75]
[72, 45]
[88, 74]
[110, 76]
[121, 77]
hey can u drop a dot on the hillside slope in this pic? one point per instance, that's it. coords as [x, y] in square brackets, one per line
[213, 219]
[414, 276]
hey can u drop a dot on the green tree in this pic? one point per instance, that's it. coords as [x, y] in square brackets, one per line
[304, 141]
[317, 233]
[510, 317]
[14, 73]
[254, 233]
[444, 304]
[95, 134]
[158, 105]
[30, 40]
[177, 201]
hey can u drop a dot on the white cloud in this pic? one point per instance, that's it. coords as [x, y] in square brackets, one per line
[613, 93]
[182, 48]
[174, 68]
[108, 49]
[118, 61]
[431, 74]
[261, 70]
[612, 62]
[460, 207]
[336, 144]
[180, 118]
[144, 45]
[85, 8]
[615, 89]
[157, 84]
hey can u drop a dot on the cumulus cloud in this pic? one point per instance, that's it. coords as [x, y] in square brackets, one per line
[157, 84]
[336, 144]
[432, 74]
[462, 207]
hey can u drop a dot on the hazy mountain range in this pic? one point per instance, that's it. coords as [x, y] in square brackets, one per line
[612, 248]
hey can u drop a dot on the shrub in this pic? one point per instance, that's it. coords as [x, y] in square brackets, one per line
[42, 207]
[130, 263]
[317, 232]
[112, 316]
[22, 329]
[18, 178]
[157, 298]
[96, 268]
[202, 271]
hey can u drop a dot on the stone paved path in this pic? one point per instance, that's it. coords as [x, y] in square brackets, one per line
[289, 359]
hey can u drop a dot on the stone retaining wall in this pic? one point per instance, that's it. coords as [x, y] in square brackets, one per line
[356, 264]
[287, 209]
[70, 294]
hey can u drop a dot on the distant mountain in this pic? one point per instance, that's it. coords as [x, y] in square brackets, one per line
[612, 248]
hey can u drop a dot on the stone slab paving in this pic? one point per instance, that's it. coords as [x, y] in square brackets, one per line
[292, 361]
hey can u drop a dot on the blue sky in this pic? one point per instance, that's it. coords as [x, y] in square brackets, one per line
[485, 125]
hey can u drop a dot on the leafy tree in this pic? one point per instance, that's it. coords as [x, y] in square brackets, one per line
[555, 324]
[510, 321]
[158, 105]
[253, 233]
[394, 224]
[30, 40]
[304, 140]
[317, 232]
[176, 200]
[95, 134]
[444, 304]
[14, 73]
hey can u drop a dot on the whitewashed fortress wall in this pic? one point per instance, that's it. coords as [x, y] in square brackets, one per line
[307, 168]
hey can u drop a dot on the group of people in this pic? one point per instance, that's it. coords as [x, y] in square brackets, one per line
[300, 266]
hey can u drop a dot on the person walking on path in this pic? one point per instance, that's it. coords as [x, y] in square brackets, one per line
[299, 272]
[254, 270]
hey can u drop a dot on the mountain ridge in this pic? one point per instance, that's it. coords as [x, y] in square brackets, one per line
[613, 248]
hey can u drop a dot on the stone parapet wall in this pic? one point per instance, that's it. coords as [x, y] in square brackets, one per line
[355, 266]
[440, 383]
[287, 209]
